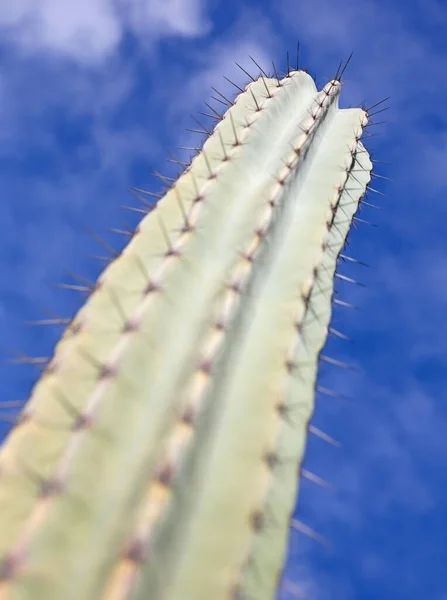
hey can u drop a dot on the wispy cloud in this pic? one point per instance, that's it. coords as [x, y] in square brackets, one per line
[89, 31]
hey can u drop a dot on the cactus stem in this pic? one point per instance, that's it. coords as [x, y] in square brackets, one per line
[209, 354]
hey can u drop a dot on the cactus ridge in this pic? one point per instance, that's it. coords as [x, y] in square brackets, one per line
[161, 446]
[158, 494]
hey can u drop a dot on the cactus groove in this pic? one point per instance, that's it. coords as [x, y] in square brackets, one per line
[158, 455]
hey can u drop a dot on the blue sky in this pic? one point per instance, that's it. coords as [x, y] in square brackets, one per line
[92, 91]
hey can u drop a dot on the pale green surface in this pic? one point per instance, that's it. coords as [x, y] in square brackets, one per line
[72, 548]
[232, 478]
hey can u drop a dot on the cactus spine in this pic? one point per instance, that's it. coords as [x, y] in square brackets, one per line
[158, 454]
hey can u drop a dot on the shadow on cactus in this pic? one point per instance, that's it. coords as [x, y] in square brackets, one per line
[158, 455]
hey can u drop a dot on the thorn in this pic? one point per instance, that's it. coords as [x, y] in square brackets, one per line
[176, 160]
[337, 71]
[188, 148]
[353, 260]
[288, 65]
[204, 114]
[324, 436]
[380, 162]
[376, 104]
[310, 532]
[378, 112]
[344, 68]
[349, 280]
[30, 360]
[368, 187]
[164, 178]
[196, 131]
[146, 193]
[297, 57]
[205, 157]
[246, 72]
[226, 157]
[92, 286]
[263, 80]
[372, 124]
[105, 259]
[259, 66]
[48, 322]
[102, 243]
[380, 176]
[171, 250]
[345, 304]
[276, 74]
[76, 288]
[121, 232]
[364, 203]
[141, 211]
[294, 590]
[338, 363]
[327, 392]
[237, 142]
[224, 97]
[339, 334]
[187, 224]
[218, 115]
[117, 304]
[358, 220]
[316, 479]
[12, 404]
[217, 100]
[235, 85]
[255, 101]
[201, 125]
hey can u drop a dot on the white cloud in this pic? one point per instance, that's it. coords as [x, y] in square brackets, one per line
[88, 31]
[178, 17]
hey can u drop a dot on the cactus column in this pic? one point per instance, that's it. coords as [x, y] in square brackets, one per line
[158, 456]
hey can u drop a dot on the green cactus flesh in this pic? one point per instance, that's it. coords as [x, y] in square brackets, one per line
[157, 457]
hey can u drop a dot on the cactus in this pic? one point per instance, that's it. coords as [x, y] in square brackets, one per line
[158, 454]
